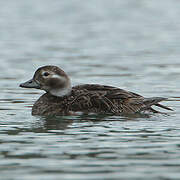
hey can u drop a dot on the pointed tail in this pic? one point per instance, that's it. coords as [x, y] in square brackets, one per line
[155, 101]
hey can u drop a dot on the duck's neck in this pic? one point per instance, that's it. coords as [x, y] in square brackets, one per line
[61, 92]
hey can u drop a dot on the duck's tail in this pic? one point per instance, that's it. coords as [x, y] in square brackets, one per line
[155, 101]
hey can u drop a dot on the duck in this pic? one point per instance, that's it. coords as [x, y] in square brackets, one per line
[61, 98]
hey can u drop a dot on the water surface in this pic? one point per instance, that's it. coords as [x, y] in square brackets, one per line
[134, 45]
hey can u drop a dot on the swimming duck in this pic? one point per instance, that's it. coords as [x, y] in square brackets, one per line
[63, 99]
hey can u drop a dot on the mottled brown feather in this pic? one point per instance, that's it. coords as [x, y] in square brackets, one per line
[94, 98]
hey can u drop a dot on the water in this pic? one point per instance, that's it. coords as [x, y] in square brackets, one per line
[134, 45]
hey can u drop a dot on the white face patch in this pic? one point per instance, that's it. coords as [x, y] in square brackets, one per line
[55, 76]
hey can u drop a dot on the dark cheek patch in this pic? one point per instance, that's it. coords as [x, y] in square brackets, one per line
[55, 83]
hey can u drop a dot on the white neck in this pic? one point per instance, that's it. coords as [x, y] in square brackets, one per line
[60, 92]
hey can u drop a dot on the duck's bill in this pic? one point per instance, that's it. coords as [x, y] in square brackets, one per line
[30, 84]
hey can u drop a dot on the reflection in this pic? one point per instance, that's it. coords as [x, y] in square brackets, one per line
[56, 124]
[37, 125]
[46, 124]
[108, 117]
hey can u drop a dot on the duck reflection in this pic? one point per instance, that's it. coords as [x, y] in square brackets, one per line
[57, 124]
[50, 123]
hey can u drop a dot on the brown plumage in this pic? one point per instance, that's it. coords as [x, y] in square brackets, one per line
[62, 99]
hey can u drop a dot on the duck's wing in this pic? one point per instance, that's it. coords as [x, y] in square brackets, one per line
[118, 99]
[108, 99]
[110, 91]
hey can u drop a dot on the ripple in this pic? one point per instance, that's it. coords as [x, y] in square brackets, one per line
[116, 43]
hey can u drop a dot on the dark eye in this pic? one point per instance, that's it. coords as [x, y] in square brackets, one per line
[46, 74]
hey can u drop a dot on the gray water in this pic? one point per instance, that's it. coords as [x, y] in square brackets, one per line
[132, 44]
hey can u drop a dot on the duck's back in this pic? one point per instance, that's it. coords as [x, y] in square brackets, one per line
[106, 99]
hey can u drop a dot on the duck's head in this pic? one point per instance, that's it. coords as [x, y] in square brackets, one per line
[52, 79]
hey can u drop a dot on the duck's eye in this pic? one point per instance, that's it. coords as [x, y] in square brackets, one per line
[46, 74]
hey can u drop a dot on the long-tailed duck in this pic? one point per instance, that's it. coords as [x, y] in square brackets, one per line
[63, 99]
